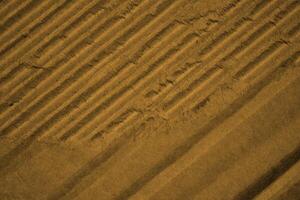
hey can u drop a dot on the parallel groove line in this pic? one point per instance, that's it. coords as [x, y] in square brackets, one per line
[93, 164]
[12, 74]
[52, 28]
[6, 7]
[27, 22]
[20, 78]
[221, 35]
[240, 24]
[293, 57]
[37, 32]
[181, 150]
[97, 87]
[242, 49]
[176, 76]
[272, 24]
[76, 72]
[270, 176]
[269, 51]
[170, 52]
[146, 78]
[257, 154]
[24, 9]
[80, 71]
[282, 185]
[156, 66]
[14, 25]
[195, 85]
[275, 48]
[74, 33]
[180, 165]
[37, 79]
[42, 74]
[207, 50]
[18, 69]
[264, 55]
[230, 54]
[123, 118]
[294, 30]
[28, 141]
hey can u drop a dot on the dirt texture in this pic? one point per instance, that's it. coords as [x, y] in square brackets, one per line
[150, 99]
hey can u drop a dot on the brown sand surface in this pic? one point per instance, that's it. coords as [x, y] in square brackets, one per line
[150, 99]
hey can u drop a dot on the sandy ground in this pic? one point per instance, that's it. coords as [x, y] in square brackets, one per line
[150, 99]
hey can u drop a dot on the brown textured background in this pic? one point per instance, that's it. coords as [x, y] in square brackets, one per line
[150, 99]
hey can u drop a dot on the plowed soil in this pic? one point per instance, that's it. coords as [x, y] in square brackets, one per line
[150, 99]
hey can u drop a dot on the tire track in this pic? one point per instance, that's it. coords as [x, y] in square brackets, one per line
[246, 47]
[17, 30]
[37, 79]
[80, 72]
[24, 9]
[74, 34]
[177, 175]
[64, 190]
[294, 30]
[7, 7]
[100, 92]
[220, 118]
[45, 126]
[72, 49]
[41, 77]
[231, 15]
[240, 24]
[220, 35]
[133, 83]
[277, 190]
[53, 27]
[79, 69]
[199, 83]
[141, 82]
[27, 72]
[89, 74]
[270, 176]
[34, 32]
[264, 55]
[12, 74]
[118, 123]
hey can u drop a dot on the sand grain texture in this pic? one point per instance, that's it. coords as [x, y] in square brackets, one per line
[150, 99]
